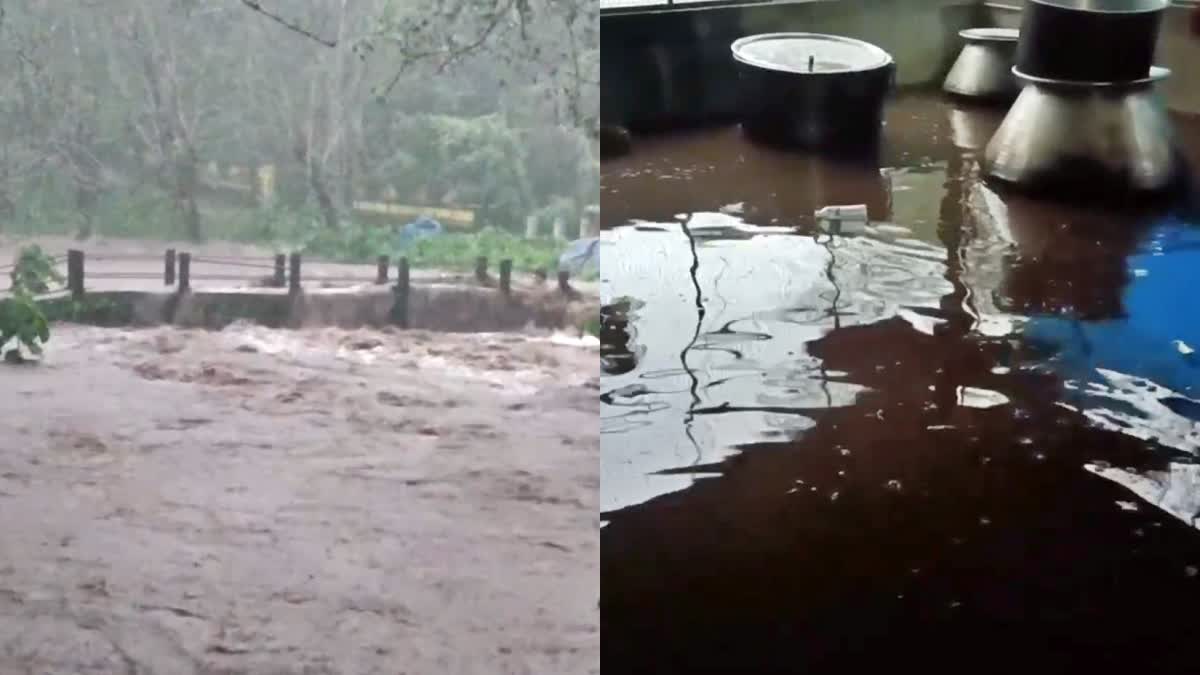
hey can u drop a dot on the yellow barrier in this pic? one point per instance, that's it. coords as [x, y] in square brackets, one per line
[451, 218]
[224, 177]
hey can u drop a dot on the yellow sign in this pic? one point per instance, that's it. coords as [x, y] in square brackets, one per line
[460, 218]
[266, 182]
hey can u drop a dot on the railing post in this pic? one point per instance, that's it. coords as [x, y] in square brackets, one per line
[185, 272]
[169, 268]
[75, 267]
[381, 269]
[400, 302]
[280, 279]
[481, 264]
[294, 276]
[506, 276]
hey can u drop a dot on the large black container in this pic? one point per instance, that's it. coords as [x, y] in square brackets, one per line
[1089, 40]
[806, 90]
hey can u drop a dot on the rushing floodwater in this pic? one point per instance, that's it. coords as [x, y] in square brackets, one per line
[963, 437]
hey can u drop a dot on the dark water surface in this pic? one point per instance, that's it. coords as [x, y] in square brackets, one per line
[964, 439]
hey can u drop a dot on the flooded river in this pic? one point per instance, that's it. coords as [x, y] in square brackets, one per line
[318, 501]
[963, 437]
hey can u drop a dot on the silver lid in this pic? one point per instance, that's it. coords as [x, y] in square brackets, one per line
[1108, 6]
[990, 34]
[1156, 74]
[806, 53]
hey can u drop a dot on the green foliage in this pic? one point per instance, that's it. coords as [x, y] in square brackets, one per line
[22, 322]
[34, 272]
[485, 152]
[91, 310]
[352, 242]
[559, 208]
[142, 213]
[139, 213]
[592, 326]
[355, 242]
[473, 160]
[459, 251]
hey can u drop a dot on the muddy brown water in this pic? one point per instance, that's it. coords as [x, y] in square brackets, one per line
[319, 501]
[964, 438]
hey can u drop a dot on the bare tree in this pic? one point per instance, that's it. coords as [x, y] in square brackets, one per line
[140, 95]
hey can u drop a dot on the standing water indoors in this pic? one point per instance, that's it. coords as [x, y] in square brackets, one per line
[961, 437]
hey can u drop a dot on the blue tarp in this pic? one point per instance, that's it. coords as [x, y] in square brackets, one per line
[1156, 338]
[420, 228]
[580, 255]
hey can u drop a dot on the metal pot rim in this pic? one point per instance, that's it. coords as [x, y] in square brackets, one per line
[882, 58]
[1156, 73]
[991, 34]
[1107, 6]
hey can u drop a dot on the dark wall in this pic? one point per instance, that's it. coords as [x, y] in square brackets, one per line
[674, 67]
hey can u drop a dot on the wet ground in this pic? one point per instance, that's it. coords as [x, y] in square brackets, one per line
[963, 439]
[251, 501]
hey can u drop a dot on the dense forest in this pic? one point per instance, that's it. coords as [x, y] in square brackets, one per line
[134, 117]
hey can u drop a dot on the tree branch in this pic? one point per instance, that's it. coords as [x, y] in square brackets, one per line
[292, 26]
[450, 52]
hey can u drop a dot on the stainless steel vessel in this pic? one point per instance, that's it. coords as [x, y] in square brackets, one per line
[814, 91]
[1093, 139]
[983, 69]
[972, 128]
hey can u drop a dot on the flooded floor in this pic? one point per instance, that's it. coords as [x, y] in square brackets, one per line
[961, 438]
[318, 502]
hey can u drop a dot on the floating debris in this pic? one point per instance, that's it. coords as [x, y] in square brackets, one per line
[848, 219]
[974, 397]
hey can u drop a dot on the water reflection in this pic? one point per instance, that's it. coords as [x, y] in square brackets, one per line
[725, 326]
[913, 446]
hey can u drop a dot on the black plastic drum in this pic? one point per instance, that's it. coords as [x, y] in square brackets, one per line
[1089, 40]
[813, 91]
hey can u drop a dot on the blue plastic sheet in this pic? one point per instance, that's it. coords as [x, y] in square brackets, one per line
[421, 228]
[580, 255]
[1158, 339]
